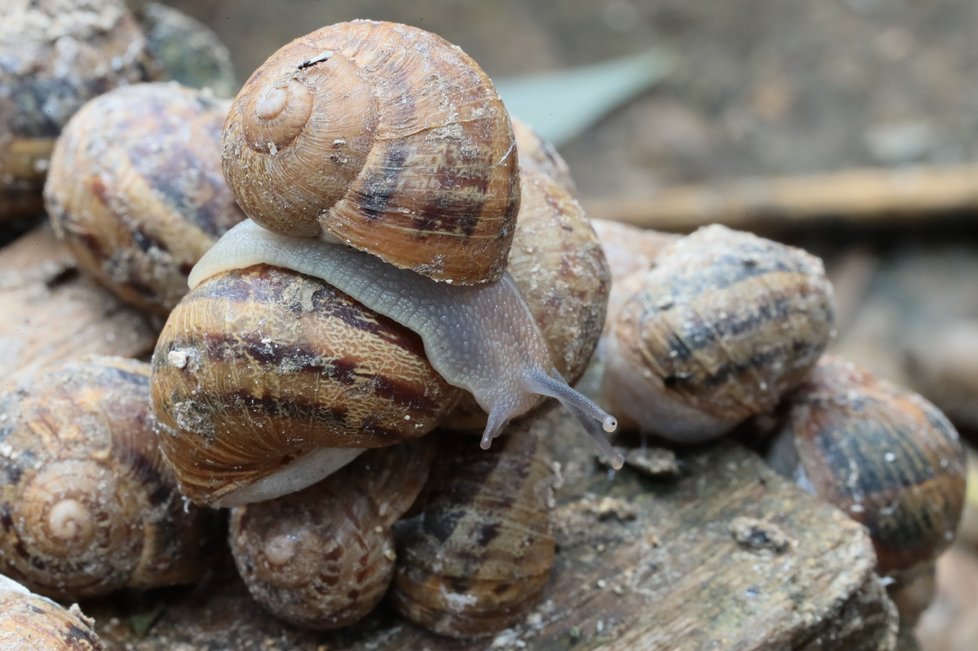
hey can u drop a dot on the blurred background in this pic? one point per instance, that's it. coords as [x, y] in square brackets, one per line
[756, 89]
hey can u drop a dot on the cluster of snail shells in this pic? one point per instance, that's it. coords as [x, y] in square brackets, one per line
[720, 326]
[29, 622]
[54, 56]
[260, 366]
[87, 505]
[268, 377]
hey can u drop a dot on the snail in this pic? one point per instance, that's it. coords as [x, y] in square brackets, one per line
[86, 504]
[884, 455]
[481, 338]
[479, 554]
[135, 189]
[722, 326]
[323, 557]
[54, 56]
[29, 622]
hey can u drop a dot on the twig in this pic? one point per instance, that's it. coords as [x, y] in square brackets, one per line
[858, 196]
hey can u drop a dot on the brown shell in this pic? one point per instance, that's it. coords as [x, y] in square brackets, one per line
[54, 56]
[254, 368]
[480, 553]
[723, 325]
[136, 189]
[29, 622]
[557, 263]
[386, 137]
[87, 505]
[323, 557]
[884, 455]
[539, 155]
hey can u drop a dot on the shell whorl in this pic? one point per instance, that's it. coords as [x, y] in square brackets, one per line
[383, 136]
[87, 505]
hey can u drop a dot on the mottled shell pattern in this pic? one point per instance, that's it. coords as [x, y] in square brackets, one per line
[29, 622]
[87, 505]
[884, 455]
[419, 167]
[54, 56]
[722, 326]
[479, 554]
[136, 189]
[255, 368]
[323, 557]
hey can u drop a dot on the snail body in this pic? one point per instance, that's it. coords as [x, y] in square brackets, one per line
[54, 56]
[722, 326]
[504, 378]
[480, 552]
[884, 455]
[323, 557]
[135, 189]
[87, 505]
[29, 622]
[419, 167]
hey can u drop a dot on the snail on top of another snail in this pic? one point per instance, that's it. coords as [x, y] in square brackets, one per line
[380, 170]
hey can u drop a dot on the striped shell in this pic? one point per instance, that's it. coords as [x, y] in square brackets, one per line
[255, 368]
[479, 554]
[884, 455]
[54, 56]
[86, 504]
[323, 557]
[721, 327]
[29, 622]
[136, 189]
[385, 137]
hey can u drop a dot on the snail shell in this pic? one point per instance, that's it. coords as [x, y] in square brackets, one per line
[385, 137]
[884, 455]
[723, 325]
[259, 368]
[29, 622]
[86, 504]
[541, 156]
[324, 557]
[234, 360]
[480, 553]
[136, 189]
[54, 56]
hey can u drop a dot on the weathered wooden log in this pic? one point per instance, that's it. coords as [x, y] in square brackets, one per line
[857, 196]
[727, 556]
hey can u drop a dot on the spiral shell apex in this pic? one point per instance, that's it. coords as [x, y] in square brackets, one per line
[86, 504]
[385, 137]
